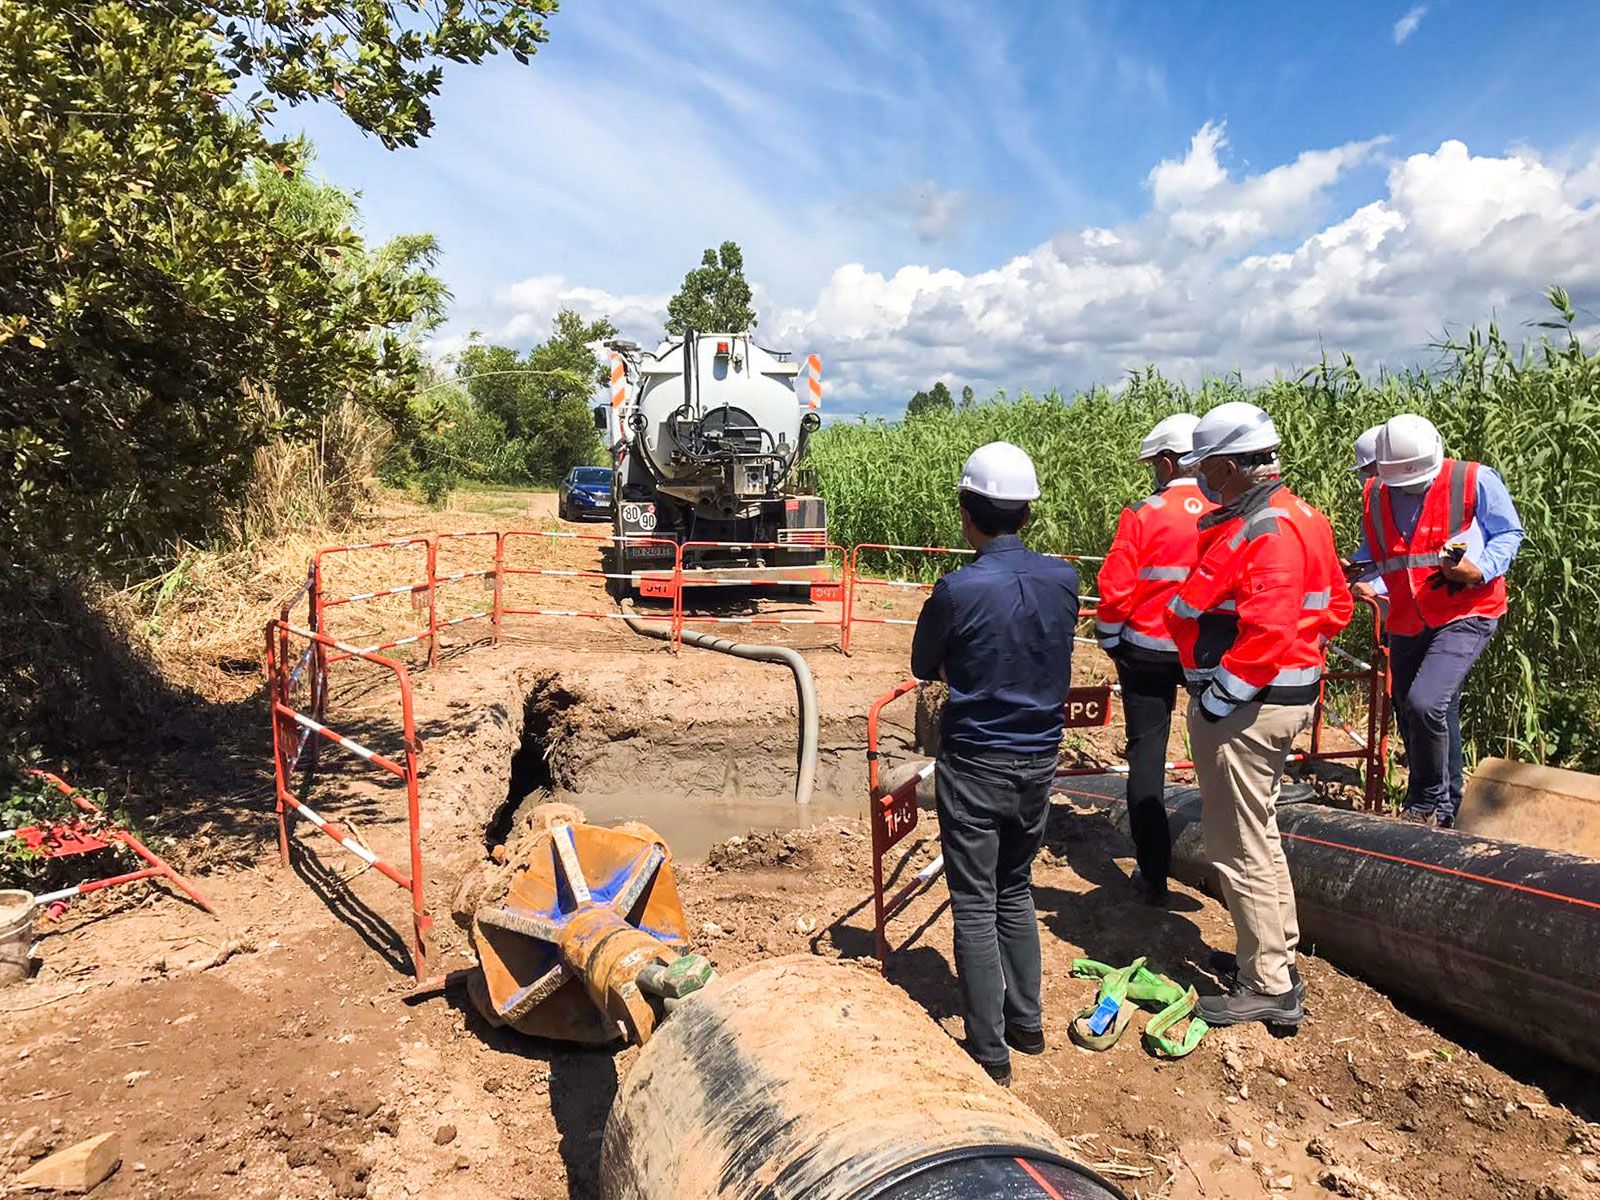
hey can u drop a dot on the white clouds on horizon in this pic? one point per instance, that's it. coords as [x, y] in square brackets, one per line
[1407, 25]
[1224, 272]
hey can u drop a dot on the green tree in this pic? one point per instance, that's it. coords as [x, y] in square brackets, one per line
[714, 297]
[935, 399]
[544, 397]
[968, 396]
[174, 293]
[380, 62]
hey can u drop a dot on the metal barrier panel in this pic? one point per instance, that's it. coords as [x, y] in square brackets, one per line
[512, 540]
[892, 816]
[824, 584]
[466, 569]
[88, 840]
[290, 727]
[857, 578]
[386, 630]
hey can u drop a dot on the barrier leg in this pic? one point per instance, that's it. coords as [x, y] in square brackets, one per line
[433, 601]
[499, 577]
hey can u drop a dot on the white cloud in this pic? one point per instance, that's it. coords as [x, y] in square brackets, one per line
[937, 213]
[1407, 25]
[1223, 273]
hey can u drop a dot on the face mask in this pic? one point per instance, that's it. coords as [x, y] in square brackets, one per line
[1414, 489]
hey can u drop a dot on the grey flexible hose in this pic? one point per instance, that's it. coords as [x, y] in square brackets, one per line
[805, 688]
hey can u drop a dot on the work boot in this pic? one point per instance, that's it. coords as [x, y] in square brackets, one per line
[1152, 893]
[1027, 1041]
[1417, 816]
[999, 1072]
[1244, 1004]
[1226, 968]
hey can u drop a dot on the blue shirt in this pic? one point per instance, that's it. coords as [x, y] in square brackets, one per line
[999, 631]
[1492, 541]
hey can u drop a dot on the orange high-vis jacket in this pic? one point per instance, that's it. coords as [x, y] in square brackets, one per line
[1156, 547]
[1408, 567]
[1267, 596]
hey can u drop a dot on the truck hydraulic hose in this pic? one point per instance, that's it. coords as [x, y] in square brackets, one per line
[805, 688]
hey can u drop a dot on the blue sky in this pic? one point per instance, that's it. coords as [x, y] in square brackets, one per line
[1018, 195]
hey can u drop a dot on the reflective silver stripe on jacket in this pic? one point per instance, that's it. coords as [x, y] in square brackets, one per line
[1144, 640]
[1189, 612]
[1256, 524]
[1107, 635]
[1184, 609]
[1235, 688]
[1164, 574]
[1407, 562]
[1316, 601]
[1216, 705]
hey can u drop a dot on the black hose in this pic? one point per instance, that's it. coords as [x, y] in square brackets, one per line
[805, 688]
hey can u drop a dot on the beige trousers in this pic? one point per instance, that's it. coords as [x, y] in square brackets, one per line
[1238, 763]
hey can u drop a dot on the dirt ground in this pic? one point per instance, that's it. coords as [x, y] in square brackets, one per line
[278, 1050]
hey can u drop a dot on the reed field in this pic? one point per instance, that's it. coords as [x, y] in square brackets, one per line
[1532, 412]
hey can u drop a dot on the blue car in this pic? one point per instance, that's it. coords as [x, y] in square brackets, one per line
[585, 494]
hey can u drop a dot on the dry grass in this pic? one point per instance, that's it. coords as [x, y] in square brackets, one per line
[203, 619]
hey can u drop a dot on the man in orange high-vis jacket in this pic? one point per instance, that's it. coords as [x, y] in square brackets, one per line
[1154, 550]
[1251, 623]
[1443, 534]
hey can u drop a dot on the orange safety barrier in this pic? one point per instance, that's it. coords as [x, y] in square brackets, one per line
[293, 728]
[296, 728]
[855, 579]
[59, 839]
[421, 591]
[825, 587]
[663, 580]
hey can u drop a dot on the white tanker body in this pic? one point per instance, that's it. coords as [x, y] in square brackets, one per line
[708, 434]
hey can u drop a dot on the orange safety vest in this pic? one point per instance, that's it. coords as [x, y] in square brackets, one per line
[1155, 548]
[1408, 567]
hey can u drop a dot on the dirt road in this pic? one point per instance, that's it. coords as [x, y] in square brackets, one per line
[279, 1051]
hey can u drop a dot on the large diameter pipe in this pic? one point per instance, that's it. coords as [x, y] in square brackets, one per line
[1503, 935]
[805, 689]
[806, 1078]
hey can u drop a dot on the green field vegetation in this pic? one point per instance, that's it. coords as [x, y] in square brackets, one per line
[1531, 412]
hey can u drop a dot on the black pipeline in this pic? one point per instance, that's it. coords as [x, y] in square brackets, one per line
[806, 1078]
[1503, 935]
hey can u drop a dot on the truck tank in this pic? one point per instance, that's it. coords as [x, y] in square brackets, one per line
[708, 435]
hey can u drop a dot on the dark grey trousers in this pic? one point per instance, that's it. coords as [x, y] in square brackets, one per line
[992, 811]
[1427, 673]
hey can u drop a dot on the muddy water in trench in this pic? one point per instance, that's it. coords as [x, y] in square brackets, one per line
[691, 825]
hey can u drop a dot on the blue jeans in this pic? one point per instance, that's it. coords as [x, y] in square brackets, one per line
[1429, 670]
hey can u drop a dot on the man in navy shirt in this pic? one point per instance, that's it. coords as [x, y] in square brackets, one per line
[999, 632]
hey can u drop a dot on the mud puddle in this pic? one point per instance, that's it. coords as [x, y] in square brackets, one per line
[692, 824]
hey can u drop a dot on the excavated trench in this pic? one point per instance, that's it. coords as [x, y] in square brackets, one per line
[697, 781]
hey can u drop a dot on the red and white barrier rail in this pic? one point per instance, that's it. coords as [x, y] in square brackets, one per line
[856, 578]
[60, 839]
[290, 728]
[826, 585]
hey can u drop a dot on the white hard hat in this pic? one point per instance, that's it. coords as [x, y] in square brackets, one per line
[1002, 473]
[1236, 427]
[1410, 451]
[1367, 449]
[1174, 433]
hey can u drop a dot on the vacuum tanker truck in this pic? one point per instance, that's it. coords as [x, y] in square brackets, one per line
[707, 436]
